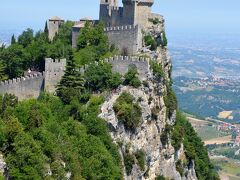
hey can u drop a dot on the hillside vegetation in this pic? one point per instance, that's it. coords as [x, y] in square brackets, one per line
[58, 136]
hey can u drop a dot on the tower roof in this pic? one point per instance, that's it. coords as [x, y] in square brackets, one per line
[151, 2]
[56, 18]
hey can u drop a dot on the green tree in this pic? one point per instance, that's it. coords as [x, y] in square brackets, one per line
[128, 112]
[94, 37]
[57, 170]
[14, 57]
[170, 100]
[150, 41]
[35, 119]
[131, 78]
[46, 28]
[99, 77]
[13, 128]
[8, 100]
[13, 39]
[72, 83]
[26, 160]
[26, 38]
[164, 39]
[3, 75]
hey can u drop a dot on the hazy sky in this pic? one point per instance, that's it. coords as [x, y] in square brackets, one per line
[221, 16]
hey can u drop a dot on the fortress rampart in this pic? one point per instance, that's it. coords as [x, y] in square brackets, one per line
[128, 39]
[122, 64]
[24, 87]
[31, 86]
[54, 70]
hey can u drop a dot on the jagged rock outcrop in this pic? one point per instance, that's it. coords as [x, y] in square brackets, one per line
[160, 159]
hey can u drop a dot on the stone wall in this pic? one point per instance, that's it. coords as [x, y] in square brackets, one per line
[111, 15]
[31, 86]
[75, 34]
[53, 27]
[121, 65]
[125, 38]
[25, 87]
[54, 70]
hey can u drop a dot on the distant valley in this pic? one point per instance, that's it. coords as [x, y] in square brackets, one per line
[207, 77]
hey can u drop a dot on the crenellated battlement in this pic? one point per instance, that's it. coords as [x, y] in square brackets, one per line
[121, 64]
[55, 65]
[21, 79]
[125, 38]
[120, 28]
[24, 87]
[132, 59]
[31, 85]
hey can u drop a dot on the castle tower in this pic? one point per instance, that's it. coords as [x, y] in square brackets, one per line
[109, 2]
[54, 70]
[137, 11]
[109, 12]
[53, 26]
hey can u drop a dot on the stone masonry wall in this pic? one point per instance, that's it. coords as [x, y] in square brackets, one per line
[125, 38]
[54, 70]
[121, 65]
[24, 87]
[31, 86]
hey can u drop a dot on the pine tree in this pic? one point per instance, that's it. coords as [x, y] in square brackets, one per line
[164, 39]
[3, 75]
[72, 82]
[13, 39]
[46, 28]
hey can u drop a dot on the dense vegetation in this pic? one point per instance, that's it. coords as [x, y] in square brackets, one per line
[128, 111]
[194, 148]
[38, 134]
[64, 134]
[30, 49]
[131, 77]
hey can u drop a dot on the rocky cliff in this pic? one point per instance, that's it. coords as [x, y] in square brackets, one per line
[160, 157]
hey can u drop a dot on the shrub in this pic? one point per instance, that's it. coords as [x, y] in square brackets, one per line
[100, 77]
[160, 177]
[155, 21]
[131, 78]
[155, 112]
[183, 132]
[128, 112]
[157, 69]
[128, 162]
[150, 41]
[164, 39]
[170, 100]
[179, 167]
[140, 156]
[165, 134]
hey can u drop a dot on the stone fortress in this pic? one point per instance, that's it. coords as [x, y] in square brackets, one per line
[124, 27]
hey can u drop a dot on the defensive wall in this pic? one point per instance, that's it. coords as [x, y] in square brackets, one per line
[25, 87]
[31, 86]
[121, 64]
[125, 38]
[54, 70]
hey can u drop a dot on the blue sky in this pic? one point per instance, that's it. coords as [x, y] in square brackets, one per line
[191, 16]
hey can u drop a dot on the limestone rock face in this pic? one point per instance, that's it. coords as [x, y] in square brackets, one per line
[159, 160]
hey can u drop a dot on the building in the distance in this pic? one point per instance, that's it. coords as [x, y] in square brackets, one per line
[53, 26]
[78, 25]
